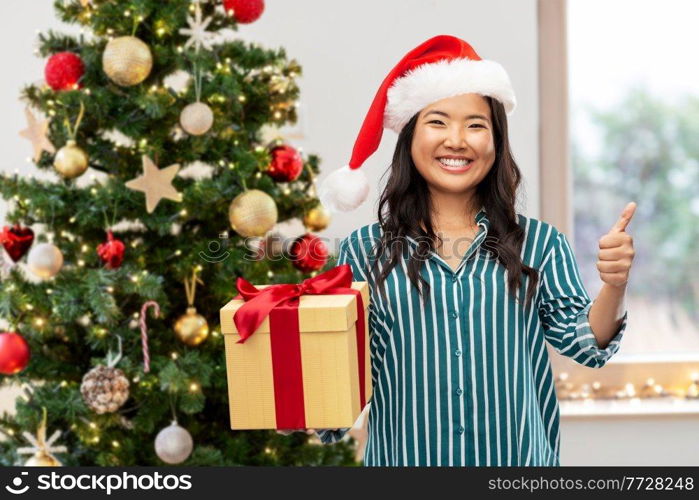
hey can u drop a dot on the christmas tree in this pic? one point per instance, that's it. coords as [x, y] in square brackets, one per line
[160, 195]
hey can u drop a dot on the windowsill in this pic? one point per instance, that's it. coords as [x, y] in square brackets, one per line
[667, 406]
[650, 358]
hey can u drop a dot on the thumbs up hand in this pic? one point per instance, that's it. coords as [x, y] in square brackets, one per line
[616, 250]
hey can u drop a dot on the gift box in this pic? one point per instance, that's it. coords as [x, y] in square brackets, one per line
[297, 356]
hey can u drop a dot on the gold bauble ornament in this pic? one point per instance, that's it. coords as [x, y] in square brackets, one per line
[42, 459]
[252, 213]
[196, 118]
[71, 160]
[192, 328]
[127, 60]
[317, 218]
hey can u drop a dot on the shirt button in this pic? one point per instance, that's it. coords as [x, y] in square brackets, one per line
[457, 352]
[455, 315]
[460, 429]
[454, 278]
[459, 391]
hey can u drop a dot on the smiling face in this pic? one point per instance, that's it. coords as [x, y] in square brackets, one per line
[459, 126]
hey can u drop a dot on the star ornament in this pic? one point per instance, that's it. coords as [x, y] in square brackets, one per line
[198, 36]
[156, 183]
[36, 132]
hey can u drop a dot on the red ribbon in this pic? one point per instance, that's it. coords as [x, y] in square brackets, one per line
[281, 303]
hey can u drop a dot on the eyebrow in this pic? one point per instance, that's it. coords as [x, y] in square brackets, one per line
[442, 113]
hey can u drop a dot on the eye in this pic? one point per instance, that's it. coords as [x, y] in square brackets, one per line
[435, 121]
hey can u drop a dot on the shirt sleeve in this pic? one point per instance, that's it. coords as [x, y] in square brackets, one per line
[328, 436]
[564, 308]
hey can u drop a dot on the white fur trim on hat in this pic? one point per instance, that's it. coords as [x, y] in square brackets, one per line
[432, 82]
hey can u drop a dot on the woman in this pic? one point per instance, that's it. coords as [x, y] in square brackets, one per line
[465, 290]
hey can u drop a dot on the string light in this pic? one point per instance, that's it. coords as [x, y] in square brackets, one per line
[193, 387]
[173, 355]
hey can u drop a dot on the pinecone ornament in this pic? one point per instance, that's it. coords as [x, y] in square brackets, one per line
[105, 389]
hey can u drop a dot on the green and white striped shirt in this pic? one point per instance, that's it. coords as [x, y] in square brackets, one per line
[464, 378]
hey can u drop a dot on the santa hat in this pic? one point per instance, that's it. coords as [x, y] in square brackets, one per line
[443, 66]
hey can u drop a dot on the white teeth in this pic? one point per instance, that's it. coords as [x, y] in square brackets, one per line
[449, 162]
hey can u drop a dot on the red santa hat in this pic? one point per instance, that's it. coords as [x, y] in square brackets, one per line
[443, 66]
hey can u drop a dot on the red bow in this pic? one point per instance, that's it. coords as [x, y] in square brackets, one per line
[280, 302]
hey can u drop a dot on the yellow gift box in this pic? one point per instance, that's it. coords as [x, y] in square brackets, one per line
[327, 325]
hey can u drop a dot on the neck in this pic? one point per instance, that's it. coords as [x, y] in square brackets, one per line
[454, 210]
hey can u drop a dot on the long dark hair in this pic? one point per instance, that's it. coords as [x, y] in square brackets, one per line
[404, 209]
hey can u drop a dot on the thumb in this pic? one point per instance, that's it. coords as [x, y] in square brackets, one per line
[625, 218]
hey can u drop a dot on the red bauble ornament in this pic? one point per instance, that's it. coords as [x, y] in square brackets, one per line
[14, 353]
[16, 240]
[286, 164]
[111, 252]
[64, 70]
[308, 253]
[244, 11]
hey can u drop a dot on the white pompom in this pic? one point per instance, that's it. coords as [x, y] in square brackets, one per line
[344, 189]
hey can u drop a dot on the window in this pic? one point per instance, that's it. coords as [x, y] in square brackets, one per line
[619, 108]
[634, 103]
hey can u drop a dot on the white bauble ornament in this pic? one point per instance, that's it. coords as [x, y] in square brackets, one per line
[45, 260]
[173, 444]
[196, 118]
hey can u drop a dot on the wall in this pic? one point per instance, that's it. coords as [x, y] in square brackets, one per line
[346, 49]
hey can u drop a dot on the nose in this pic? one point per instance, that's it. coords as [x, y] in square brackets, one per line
[456, 137]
